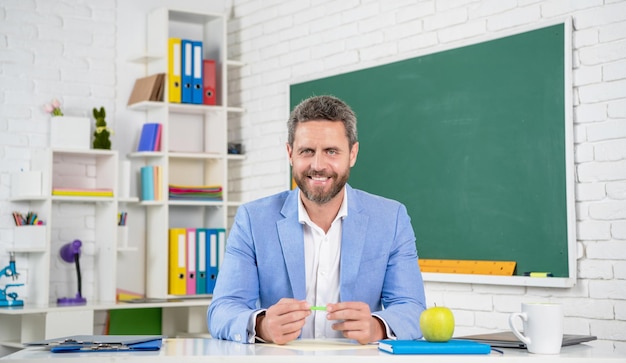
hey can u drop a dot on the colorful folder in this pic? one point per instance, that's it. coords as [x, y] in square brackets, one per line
[177, 267]
[174, 68]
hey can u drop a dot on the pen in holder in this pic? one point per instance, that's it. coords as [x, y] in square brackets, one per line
[70, 252]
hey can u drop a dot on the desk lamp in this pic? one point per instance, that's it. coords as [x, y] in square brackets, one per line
[70, 252]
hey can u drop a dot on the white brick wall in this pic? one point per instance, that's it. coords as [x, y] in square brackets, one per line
[334, 37]
[71, 50]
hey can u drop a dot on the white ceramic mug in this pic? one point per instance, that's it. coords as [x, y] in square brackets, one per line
[543, 327]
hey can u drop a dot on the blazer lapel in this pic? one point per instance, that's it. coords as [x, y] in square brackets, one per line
[291, 239]
[352, 244]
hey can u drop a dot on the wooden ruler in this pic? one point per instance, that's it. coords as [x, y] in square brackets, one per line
[504, 268]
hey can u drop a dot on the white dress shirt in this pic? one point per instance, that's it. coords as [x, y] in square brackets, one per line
[321, 255]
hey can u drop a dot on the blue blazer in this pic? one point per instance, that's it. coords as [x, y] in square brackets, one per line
[264, 257]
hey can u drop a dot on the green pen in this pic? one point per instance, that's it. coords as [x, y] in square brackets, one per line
[320, 308]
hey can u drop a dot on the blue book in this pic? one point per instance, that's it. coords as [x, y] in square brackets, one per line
[424, 347]
[147, 183]
[148, 138]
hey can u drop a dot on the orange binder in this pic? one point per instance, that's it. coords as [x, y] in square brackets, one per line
[177, 266]
[173, 70]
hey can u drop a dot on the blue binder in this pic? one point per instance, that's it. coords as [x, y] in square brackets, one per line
[197, 84]
[187, 73]
[211, 258]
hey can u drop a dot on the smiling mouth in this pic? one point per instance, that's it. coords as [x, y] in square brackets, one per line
[319, 178]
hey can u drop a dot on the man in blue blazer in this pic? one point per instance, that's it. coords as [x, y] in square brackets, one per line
[323, 260]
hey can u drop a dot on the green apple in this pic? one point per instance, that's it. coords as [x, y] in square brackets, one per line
[437, 324]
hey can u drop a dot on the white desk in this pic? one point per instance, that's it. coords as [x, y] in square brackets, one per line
[204, 350]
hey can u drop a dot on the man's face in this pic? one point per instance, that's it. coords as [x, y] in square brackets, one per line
[321, 159]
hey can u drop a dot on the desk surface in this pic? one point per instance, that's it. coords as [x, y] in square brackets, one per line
[197, 350]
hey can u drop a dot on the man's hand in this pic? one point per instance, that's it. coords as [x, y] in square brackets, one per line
[357, 321]
[283, 321]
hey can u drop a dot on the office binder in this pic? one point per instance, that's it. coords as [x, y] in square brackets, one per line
[221, 246]
[100, 343]
[197, 86]
[174, 70]
[208, 74]
[211, 258]
[177, 284]
[424, 347]
[201, 260]
[186, 75]
[191, 261]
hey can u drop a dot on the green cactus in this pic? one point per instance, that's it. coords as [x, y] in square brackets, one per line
[101, 135]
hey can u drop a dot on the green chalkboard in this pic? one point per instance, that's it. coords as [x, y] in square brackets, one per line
[472, 141]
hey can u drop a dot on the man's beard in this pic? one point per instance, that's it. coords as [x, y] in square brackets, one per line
[317, 195]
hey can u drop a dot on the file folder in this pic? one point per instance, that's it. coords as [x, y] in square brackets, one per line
[201, 259]
[177, 284]
[101, 343]
[174, 68]
[197, 86]
[186, 76]
[208, 74]
[191, 261]
[211, 257]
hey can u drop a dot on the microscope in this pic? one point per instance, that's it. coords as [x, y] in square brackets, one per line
[10, 271]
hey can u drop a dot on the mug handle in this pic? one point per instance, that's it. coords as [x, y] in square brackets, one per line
[517, 333]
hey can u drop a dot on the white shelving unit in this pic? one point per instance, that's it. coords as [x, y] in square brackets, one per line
[194, 139]
[194, 152]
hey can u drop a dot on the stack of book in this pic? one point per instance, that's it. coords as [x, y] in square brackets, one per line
[150, 138]
[151, 178]
[195, 192]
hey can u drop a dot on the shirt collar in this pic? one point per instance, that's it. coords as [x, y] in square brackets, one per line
[303, 216]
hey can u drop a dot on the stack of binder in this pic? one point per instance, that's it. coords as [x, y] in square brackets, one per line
[194, 258]
[191, 77]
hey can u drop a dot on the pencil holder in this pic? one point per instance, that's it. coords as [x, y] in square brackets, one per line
[29, 237]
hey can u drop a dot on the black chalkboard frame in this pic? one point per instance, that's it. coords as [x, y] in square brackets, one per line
[567, 248]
